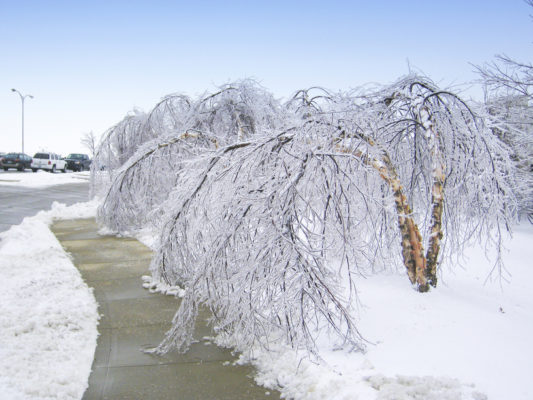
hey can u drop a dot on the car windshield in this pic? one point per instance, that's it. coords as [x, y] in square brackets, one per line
[75, 156]
[44, 156]
[12, 155]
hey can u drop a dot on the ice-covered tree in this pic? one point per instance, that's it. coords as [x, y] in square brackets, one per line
[511, 119]
[151, 152]
[117, 145]
[508, 85]
[508, 76]
[271, 232]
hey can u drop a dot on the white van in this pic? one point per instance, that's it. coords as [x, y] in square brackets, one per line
[49, 162]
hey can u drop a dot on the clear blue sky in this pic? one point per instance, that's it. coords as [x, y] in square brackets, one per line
[89, 63]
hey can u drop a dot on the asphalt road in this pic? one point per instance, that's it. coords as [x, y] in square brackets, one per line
[18, 202]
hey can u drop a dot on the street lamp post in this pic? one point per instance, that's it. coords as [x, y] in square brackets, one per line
[22, 98]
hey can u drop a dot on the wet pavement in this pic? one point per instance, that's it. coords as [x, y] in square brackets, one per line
[133, 319]
[17, 202]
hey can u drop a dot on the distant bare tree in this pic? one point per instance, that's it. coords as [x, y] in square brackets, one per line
[89, 141]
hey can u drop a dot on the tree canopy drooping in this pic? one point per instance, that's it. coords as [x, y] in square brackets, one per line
[268, 213]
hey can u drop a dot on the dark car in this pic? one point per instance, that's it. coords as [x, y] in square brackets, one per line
[78, 162]
[20, 161]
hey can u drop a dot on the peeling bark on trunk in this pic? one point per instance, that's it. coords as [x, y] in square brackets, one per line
[412, 249]
[436, 234]
[437, 198]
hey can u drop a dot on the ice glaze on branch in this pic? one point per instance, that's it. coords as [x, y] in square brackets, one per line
[272, 212]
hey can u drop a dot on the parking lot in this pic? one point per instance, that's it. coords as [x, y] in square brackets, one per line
[18, 201]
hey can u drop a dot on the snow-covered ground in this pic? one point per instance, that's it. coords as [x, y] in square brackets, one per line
[48, 315]
[468, 339]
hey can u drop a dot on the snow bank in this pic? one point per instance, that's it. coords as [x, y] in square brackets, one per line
[48, 315]
[467, 339]
[42, 178]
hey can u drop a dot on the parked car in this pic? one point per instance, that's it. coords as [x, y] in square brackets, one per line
[20, 161]
[49, 162]
[78, 162]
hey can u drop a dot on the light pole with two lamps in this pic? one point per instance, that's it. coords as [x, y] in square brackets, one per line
[22, 98]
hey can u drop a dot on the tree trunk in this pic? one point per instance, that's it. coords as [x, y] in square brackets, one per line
[437, 196]
[412, 249]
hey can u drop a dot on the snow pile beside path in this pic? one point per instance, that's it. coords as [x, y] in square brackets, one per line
[466, 340]
[155, 286]
[60, 211]
[42, 178]
[48, 315]
[299, 378]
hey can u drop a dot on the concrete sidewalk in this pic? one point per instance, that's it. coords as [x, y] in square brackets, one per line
[133, 319]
